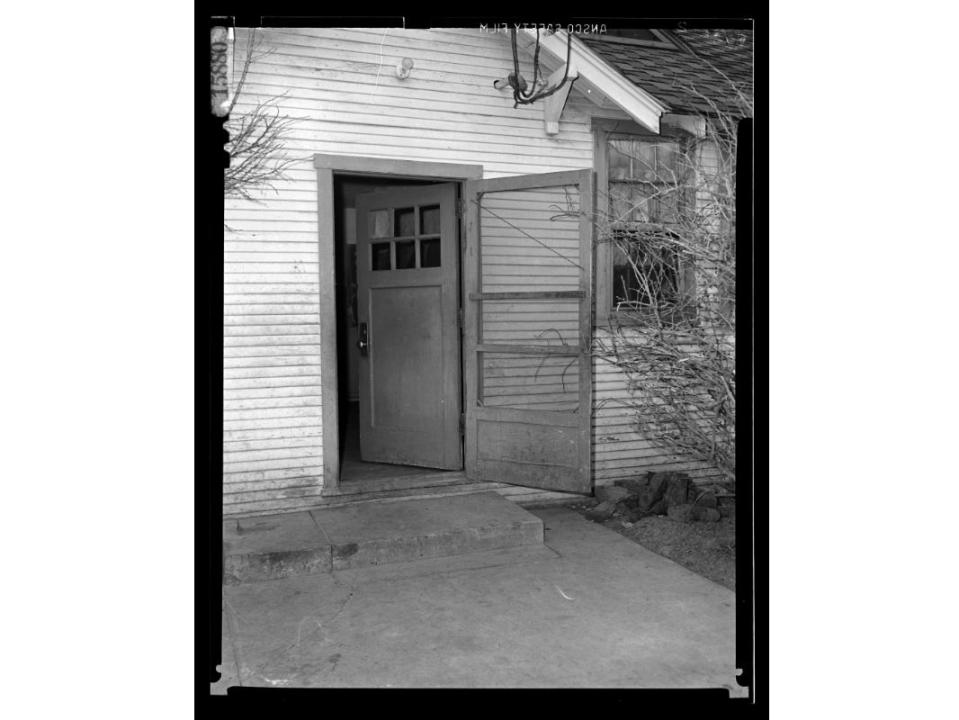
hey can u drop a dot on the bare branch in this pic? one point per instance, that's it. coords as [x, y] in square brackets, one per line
[257, 138]
[672, 225]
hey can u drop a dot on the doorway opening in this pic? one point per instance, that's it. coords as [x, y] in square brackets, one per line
[362, 468]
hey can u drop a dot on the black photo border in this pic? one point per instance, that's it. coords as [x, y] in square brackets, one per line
[752, 589]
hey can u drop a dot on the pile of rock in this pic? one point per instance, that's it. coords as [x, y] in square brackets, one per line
[665, 493]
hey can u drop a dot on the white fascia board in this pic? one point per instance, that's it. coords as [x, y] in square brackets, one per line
[639, 104]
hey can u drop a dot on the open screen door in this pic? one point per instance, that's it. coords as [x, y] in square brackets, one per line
[409, 365]
[527, 331]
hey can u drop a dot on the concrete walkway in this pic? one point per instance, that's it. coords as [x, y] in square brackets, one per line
[588, 609]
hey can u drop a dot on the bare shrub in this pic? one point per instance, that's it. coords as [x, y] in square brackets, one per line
[671, 221]
[257, 138]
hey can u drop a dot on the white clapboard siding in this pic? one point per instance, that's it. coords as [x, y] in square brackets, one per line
[339, 88]
[343, 85]
[619, 451]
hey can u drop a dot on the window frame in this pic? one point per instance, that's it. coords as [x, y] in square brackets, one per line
[602, 129]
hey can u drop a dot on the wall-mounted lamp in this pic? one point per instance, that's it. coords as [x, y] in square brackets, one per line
[404, 68]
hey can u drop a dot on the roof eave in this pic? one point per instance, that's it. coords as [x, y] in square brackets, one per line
[632, 99]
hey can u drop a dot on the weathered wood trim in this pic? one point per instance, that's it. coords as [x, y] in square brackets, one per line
[396, 168]
[576, 423]
[553, 104]
[603, 298]
[430, 479]
[530, 295]
[469, 262]
[533, 417]
[328, 362]
[571, 350]
[602, 129]
[326, 167]
[530, 182]
[587, 231]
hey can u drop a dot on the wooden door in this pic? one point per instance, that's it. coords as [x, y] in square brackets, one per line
[527, 331]
[407, 277]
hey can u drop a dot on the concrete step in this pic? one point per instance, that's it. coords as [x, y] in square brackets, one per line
[374, 533]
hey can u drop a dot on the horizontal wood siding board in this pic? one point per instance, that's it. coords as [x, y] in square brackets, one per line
[263, 374]
[312, 468]
[232, 446]
[271, 458]
[265, 314]
[275, 433]
[304, 290]
[265, 386]
[233, 509]
[272, 498]
[239, 491]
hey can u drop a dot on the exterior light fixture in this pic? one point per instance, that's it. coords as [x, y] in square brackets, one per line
[404, 68]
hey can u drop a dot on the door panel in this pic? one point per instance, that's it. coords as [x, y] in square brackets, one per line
[528, 382]
[527, 267]
[407, 277]
[406, 323]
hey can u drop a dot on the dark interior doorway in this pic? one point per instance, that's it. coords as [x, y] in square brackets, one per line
[352, 468]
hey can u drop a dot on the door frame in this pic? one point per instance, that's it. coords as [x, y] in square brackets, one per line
[327, 166]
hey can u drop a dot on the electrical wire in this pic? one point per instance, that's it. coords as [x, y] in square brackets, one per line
[518, 83]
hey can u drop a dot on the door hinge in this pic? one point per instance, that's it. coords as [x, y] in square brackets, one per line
[460, 208]
[459, 318]
[462, 423]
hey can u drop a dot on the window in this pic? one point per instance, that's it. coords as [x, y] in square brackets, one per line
[411, 244]
[644, 181]
[646, 269]
[644, 177]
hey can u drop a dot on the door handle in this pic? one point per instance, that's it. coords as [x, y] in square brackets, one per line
[363, 343]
